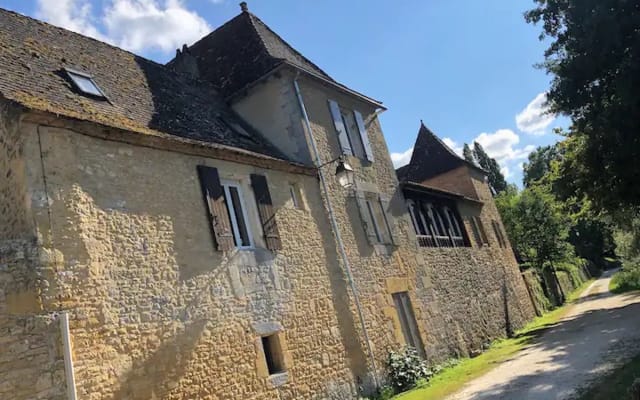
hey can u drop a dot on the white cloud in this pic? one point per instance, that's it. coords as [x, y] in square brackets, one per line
[136, 25]
[453, 145]
[401, 159]
[501, 145]
[74, 15]
[535, 118]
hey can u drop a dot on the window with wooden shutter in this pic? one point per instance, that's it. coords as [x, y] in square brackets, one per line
[214, 198]
[375, 219]
[363, 136]
[385, 208]
[266, 212]
[367, 220]
[338, 122]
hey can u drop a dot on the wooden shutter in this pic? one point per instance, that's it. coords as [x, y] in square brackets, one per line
[218, 214]
[367, 223]
[343, 137]
[266, 212]
[385, 203]
[364, 136]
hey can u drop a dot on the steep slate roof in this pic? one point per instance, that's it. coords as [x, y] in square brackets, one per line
[244, 50]
[431, 157]
[144, 97]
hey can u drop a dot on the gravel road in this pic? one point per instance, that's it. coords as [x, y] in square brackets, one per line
[600, 330]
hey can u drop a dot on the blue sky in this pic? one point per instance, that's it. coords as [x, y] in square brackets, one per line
[465, 67]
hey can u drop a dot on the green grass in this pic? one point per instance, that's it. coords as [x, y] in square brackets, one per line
[614, 385]
[453, 379]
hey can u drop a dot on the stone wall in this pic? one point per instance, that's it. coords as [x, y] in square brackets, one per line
[13, 200]
[31, 360]
[156, 311]
[473, 297]
[438, 281]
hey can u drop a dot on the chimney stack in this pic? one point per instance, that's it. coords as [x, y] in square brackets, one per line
[244, 7]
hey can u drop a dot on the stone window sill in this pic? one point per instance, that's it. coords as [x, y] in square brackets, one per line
[277, 380]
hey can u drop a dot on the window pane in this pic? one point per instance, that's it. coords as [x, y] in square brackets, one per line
[294, 196]
[239, 216]
[85, 84]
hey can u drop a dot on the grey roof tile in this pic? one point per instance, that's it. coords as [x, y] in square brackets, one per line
[144, 96]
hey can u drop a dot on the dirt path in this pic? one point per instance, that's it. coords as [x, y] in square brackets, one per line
[600, 330]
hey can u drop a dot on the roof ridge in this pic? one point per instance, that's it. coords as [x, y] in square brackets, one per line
[113, 46]
[251, 16]
[283, 41]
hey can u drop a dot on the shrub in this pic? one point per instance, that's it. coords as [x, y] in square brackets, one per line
[405, 368]
[626, 280]
[634, 390]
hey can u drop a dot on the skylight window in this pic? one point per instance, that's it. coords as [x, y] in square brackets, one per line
[85, 83]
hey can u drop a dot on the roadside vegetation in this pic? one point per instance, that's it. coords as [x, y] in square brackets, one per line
[623, 383]
[447, 378]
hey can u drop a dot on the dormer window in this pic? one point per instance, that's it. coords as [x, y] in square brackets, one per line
[85, 83]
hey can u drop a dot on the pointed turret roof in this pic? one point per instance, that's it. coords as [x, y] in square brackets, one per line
[431, 157]
[245, 50]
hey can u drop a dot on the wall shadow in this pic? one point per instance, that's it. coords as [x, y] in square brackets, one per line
[155, 375]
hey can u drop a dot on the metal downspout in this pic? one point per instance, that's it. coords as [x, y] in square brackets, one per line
[68, 360]
[334, 225]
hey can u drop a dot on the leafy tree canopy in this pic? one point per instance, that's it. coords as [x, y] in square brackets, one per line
[594, 58]
[539, 164]
[480, 157]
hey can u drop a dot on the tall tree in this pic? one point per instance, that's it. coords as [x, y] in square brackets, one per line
[468, 154]
[539, 164]
[496, 179]
[594, 58]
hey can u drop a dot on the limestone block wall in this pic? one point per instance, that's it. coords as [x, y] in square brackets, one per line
[13, 200]
[438, 281]
[473, 297]
[31, 360]
[156, 311]
[378, 270]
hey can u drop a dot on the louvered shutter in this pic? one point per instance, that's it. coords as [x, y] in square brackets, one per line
[367, 223]
[364, 136]
[385, 203]
[214, 198]
[343, 138]
[266, 212]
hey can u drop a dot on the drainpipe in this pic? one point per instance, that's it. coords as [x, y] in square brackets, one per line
[68, 360]
[336, 231]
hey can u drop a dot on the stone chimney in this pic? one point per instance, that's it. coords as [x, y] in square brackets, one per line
[244, 7]
[185, 63]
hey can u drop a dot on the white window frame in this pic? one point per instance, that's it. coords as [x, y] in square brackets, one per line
[453, 223]
[77, 77]
[226, 184]
[293, 192]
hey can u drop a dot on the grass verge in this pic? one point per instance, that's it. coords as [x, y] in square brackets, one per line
[625, 280]
[453, 379]
[614, 385]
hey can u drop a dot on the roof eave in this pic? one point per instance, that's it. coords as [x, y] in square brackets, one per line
[163, 141]
[420, 188]
[375, 103]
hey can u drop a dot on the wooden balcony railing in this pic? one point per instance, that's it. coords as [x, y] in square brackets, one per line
[440, 241]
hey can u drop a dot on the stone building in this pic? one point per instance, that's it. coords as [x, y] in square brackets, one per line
[181, 232]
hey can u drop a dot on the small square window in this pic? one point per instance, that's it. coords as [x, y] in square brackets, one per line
[296, 196]
[273, 354]
[85, 83]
